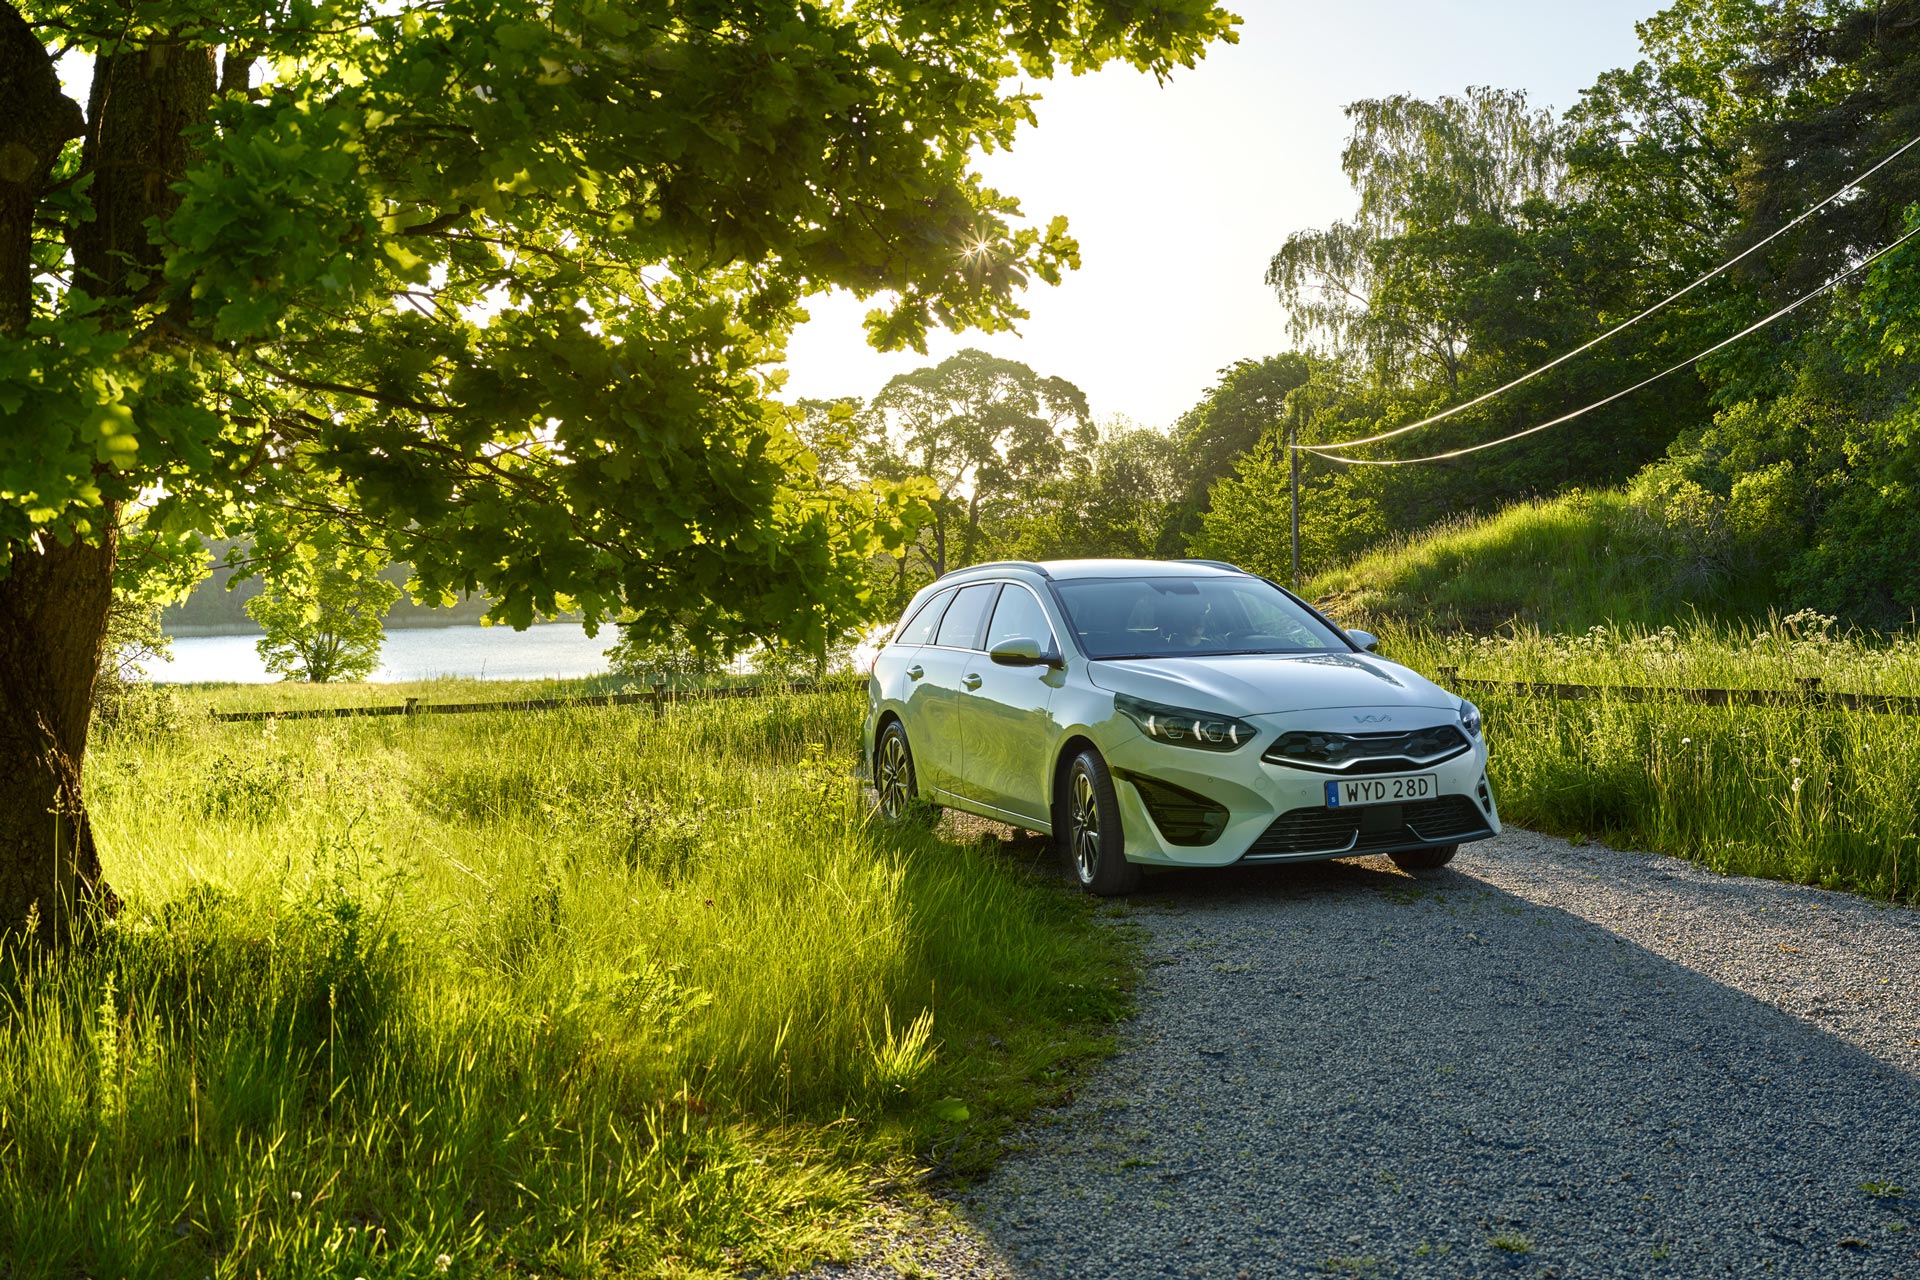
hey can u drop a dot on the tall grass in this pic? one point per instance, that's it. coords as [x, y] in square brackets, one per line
[1559, 564]
[1797, 793]
[569, 993]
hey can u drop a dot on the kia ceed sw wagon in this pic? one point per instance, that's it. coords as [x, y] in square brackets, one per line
[1172, 714]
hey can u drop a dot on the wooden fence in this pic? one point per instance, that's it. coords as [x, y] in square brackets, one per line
[659, 697]
[1807, 696]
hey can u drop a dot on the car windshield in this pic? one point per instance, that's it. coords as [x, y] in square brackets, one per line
[1191, 618]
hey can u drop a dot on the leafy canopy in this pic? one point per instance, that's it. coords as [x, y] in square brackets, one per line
[505, 285]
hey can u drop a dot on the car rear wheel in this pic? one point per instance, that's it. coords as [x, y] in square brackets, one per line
[1088, 820]
[894, 784]
[1425, 859]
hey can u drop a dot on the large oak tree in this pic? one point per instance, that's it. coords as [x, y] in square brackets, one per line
[498, 286]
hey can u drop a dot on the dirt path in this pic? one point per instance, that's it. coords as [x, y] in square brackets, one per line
[1545, 1061]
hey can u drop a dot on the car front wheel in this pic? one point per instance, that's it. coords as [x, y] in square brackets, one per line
[1088, 820]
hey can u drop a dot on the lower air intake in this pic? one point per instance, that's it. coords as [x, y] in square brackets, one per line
[1375, 828]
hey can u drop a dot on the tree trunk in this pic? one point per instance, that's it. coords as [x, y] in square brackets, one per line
[54, 598]
[53, 617]
[36, 121]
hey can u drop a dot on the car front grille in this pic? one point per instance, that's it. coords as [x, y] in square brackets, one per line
[1370, 828]
[1351, 753]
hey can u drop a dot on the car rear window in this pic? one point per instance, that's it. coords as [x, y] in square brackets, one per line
[1191, 618]
[960, 629]
[918, 628]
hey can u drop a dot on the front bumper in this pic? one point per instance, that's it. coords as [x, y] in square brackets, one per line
[1277, 812]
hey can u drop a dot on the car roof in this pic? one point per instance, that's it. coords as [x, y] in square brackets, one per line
[1067, 570]
[1140, 568]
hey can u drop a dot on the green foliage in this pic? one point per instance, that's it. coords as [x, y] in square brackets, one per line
[675, 661]
[534, 992]
[1790, 793]
[321, 611]
[1231, 419]
[1248, 522]
[505, 287]
[133, 639]
[1117, 503]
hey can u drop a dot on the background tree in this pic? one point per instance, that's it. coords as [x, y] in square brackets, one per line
[1116, 500]
[1232, 417]
[322, 610]
[988, 433]
[502, 286]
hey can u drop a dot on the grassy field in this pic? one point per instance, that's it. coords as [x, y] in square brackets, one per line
[1559, 564]
[1792, 793]
[570, 993]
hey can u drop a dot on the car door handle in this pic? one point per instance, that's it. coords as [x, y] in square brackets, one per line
[971, 681]
[915, 671]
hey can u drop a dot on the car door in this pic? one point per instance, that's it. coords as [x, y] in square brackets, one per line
[934, 723]
[1009, 729]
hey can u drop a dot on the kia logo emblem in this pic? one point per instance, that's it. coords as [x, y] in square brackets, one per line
[1373, 719]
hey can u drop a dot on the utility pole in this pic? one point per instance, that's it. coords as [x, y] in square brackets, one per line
[1293, 465]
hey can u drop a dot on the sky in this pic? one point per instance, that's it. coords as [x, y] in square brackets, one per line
[1180, 193]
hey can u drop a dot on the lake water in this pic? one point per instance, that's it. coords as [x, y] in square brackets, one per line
[553, 649]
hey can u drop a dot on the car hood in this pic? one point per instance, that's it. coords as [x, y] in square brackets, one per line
[1259, 684]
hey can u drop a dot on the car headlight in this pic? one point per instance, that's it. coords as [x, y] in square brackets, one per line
[1470, 718]
[1181, 727]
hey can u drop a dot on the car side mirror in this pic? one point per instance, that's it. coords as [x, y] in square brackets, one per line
[1021, 651]
[1365, 639]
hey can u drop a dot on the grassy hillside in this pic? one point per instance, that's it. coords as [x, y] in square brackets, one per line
[580, 992]
[1559, 564]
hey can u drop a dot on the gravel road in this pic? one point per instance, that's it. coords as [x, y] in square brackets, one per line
[1546, 1060]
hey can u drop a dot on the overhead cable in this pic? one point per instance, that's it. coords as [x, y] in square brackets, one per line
[1756, 246]
[1618, 395]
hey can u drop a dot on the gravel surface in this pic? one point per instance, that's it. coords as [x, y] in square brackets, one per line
[1546, 1060]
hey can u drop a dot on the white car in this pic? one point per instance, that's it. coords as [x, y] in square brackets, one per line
[1168, 713]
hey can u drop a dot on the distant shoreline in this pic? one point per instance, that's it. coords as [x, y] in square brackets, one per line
[197, 630]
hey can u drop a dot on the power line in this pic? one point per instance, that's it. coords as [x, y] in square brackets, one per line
[1644, 382]
[1852, 184]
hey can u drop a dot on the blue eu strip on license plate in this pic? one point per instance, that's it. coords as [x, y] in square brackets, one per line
[1333, 795]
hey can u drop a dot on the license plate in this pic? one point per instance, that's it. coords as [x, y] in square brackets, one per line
[1417, 786]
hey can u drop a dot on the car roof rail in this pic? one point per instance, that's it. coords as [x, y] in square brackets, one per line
[1030, 565]
[1215, 564]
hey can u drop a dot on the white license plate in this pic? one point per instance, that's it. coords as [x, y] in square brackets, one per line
[1416, 786]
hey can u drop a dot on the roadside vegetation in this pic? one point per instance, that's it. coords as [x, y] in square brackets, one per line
[578, 993]
[1559, 564]
[1797, 793]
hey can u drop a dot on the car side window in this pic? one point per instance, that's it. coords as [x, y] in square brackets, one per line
[1019, 614]
[919, 628]
[967, 616]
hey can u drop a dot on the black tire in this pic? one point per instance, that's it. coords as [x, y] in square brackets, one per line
[1425, 859]
[895, 785]
[1087, 818]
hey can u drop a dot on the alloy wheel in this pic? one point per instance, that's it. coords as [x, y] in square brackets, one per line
[895, 773]
[1085, 825]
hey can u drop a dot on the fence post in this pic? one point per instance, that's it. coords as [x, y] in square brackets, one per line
[658, 696]
[1449, 674]
[412, 708]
